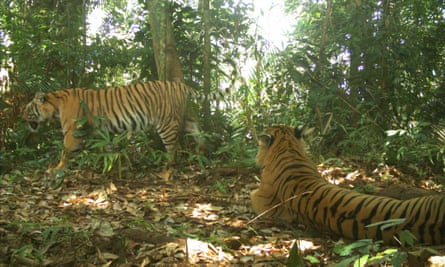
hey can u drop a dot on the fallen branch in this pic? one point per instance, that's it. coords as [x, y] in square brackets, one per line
[276, 206]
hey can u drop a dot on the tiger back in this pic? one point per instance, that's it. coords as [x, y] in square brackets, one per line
[291, 188]
[163, 105]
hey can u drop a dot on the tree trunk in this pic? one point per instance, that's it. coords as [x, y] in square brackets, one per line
[355, 49]
[166, 55]
[204, 8]
[317, 90]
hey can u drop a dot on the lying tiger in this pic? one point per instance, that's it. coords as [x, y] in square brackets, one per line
[163, 105]
[289, 177]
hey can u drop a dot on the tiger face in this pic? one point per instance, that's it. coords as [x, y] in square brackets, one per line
[39, 110]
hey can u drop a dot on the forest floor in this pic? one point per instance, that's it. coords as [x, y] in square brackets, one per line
[196, 218]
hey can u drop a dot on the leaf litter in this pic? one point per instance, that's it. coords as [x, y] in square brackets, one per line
[196, 218]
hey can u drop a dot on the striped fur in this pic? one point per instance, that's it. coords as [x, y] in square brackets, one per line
[289, 177]
[163, 105]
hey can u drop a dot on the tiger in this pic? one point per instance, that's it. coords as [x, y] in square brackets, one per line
[163, 105]
[292, 189]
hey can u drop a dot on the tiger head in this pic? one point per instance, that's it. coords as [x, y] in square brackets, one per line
[39, 110]
[278, 139]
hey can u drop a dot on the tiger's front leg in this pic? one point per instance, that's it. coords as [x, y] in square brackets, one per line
[170, 170]
[260, 202]
[265, 203]
[169, 134]
[70, 144]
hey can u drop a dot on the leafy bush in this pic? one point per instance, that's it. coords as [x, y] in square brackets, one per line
[415, 150]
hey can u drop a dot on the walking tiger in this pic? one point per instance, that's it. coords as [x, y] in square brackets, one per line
[161, 104]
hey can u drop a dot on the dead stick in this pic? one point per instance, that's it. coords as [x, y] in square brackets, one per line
[276, 206]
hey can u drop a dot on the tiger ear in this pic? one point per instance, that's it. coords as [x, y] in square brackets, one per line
[40, 97]
[303, 132]
[266, 139]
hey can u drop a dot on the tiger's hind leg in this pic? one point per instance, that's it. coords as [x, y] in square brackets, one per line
[192, 127]
[204, 144]
[169, 134]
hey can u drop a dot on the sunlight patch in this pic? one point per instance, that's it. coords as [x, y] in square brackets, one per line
[206, 212]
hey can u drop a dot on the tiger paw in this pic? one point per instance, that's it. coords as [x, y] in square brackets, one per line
[168, 173]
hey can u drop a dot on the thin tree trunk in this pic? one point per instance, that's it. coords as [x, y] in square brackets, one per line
[204, 7]
[166, 56]
[321, 60]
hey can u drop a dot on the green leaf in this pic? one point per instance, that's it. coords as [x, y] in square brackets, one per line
[387, 223]
[398, 259]
[346, 250]
[295, 259]
[407, 238]
[346, 262]
[361, 261]
[312, 259]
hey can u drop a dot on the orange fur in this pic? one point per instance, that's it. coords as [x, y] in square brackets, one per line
[290, 181]
[163, 105]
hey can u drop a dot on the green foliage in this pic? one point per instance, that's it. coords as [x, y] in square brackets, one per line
[236, 149]
[368, 253]
[121, 152]
[365, 252]
[367, 67]
[141, 223]
[223, 186]
[406, 238]
[45, 39]
[354, 70]
[362, 245]
[27, 251]
[98, 137]
[105, 143]
[30, 151]
[295, 259]
[51, 43]
[54, 47]
[42, 240]
[55, 179]
[198, 158]
[415, 148]
[229, 27]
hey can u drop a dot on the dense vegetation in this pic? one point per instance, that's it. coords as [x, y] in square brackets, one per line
[368, 75]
